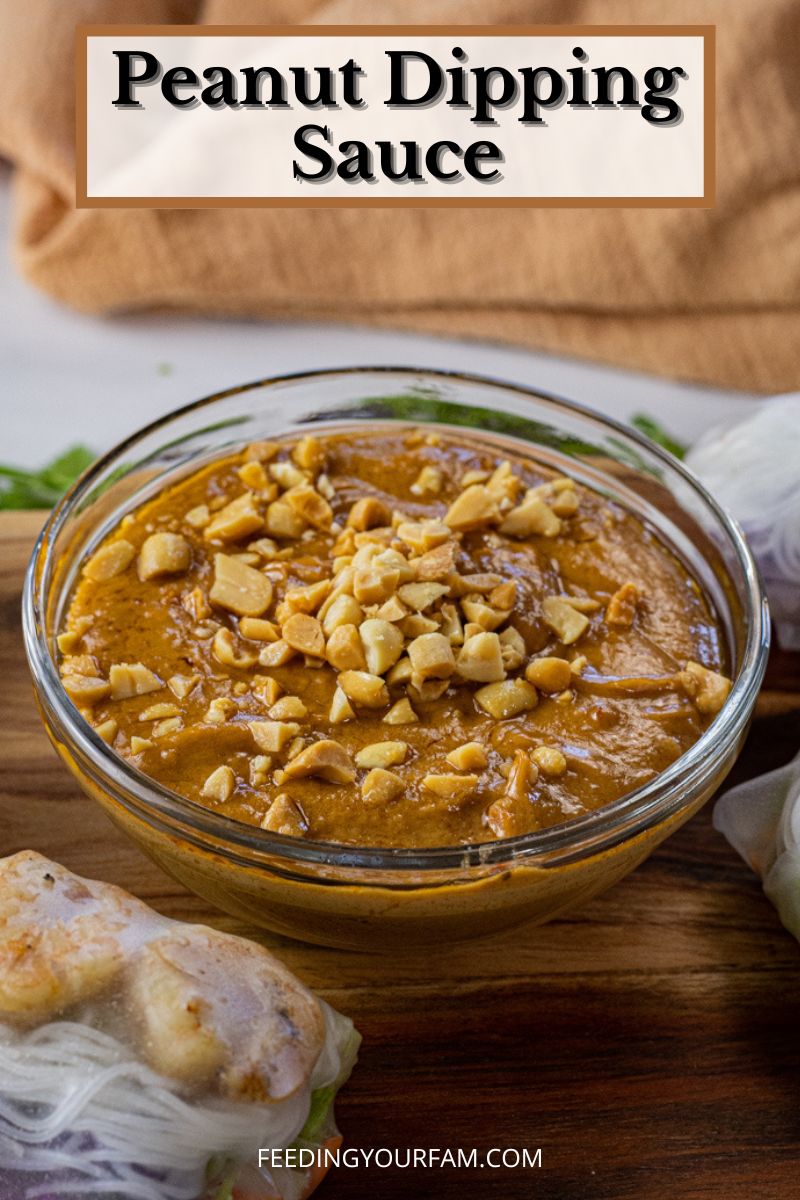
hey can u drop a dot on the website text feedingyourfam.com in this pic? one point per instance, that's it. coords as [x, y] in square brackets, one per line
[392, 1157]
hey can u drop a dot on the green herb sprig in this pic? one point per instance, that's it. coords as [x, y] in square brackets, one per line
[44, 488]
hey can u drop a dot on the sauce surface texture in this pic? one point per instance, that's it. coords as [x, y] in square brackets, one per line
[391, 638]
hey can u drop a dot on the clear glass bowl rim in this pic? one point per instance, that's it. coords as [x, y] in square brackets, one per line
[569, 841]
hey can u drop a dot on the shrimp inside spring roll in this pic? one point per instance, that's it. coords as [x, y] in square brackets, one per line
[147, 1059]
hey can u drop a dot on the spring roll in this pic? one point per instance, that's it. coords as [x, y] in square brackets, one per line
[148, 1059]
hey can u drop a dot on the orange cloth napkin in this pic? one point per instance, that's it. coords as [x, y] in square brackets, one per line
[710, 295]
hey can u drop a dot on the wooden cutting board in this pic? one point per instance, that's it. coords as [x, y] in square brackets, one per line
[649, 1045]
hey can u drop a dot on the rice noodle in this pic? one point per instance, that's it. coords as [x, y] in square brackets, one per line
[76, 1104]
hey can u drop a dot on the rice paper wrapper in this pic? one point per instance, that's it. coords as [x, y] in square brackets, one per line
[753, 469]
[761, 820]
[143, 1058]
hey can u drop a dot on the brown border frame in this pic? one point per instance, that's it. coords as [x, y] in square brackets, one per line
[707, 32]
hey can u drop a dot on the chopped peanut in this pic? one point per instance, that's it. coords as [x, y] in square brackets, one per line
[364, 689]
[67, 642]
[219, 710]
[428, 482]
[309, 454]
[423, 536]
[157, 712]
[86, 689]
[436, 564]
[285, 817]
[392, 610]
[287, 474]
[288, 708]
[565, 503]
[531, 517]
[401, 713]
[382, 754]
[415, 625]
[482, 581]
[324, 760]
[80, 664]
[111, 559]
[225, 651]
[166, 727]
[253, 475]
[182, 685]
[261, 451]
[308, 504]
[239, 588]
[708, 689]
[474, 508]
[480, 659]
[345, 651]
[431, 657]
[196, 604]
[504, 595]
[256, 629]
[428, 689]
[507, 699]
[380, 786]
[455, 788]
[421, 596]
[549, 760]
[621, 609]
[374, 584]
[368, 513]
[383, 645]
[267, 689]
[107, 730]
[259, 769]
[198, 517]
[451, 626]
[341, 708]
[236, 520]
[513, 648]
[564, 619]
[583, 604]
[265, 547]
[307, 599]
[304, 633]
[344, 610]
[549, 674]
[400, 672]
[272, 736]
[482, 614]
[475, 476]
[503, 485]
[282, 521]
[471, 756]
[132, 679]
[276, 654]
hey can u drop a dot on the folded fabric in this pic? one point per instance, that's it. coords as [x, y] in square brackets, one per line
[711, 295]
[761, 820]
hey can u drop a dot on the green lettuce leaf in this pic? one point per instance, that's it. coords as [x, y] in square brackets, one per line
[44, 488]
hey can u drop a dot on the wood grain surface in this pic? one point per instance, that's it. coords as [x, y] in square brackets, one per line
[650, 1044]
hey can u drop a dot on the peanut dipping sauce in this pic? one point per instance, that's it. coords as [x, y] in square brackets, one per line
[391, 638]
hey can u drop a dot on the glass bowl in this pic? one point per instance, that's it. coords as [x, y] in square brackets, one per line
[377, 898]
